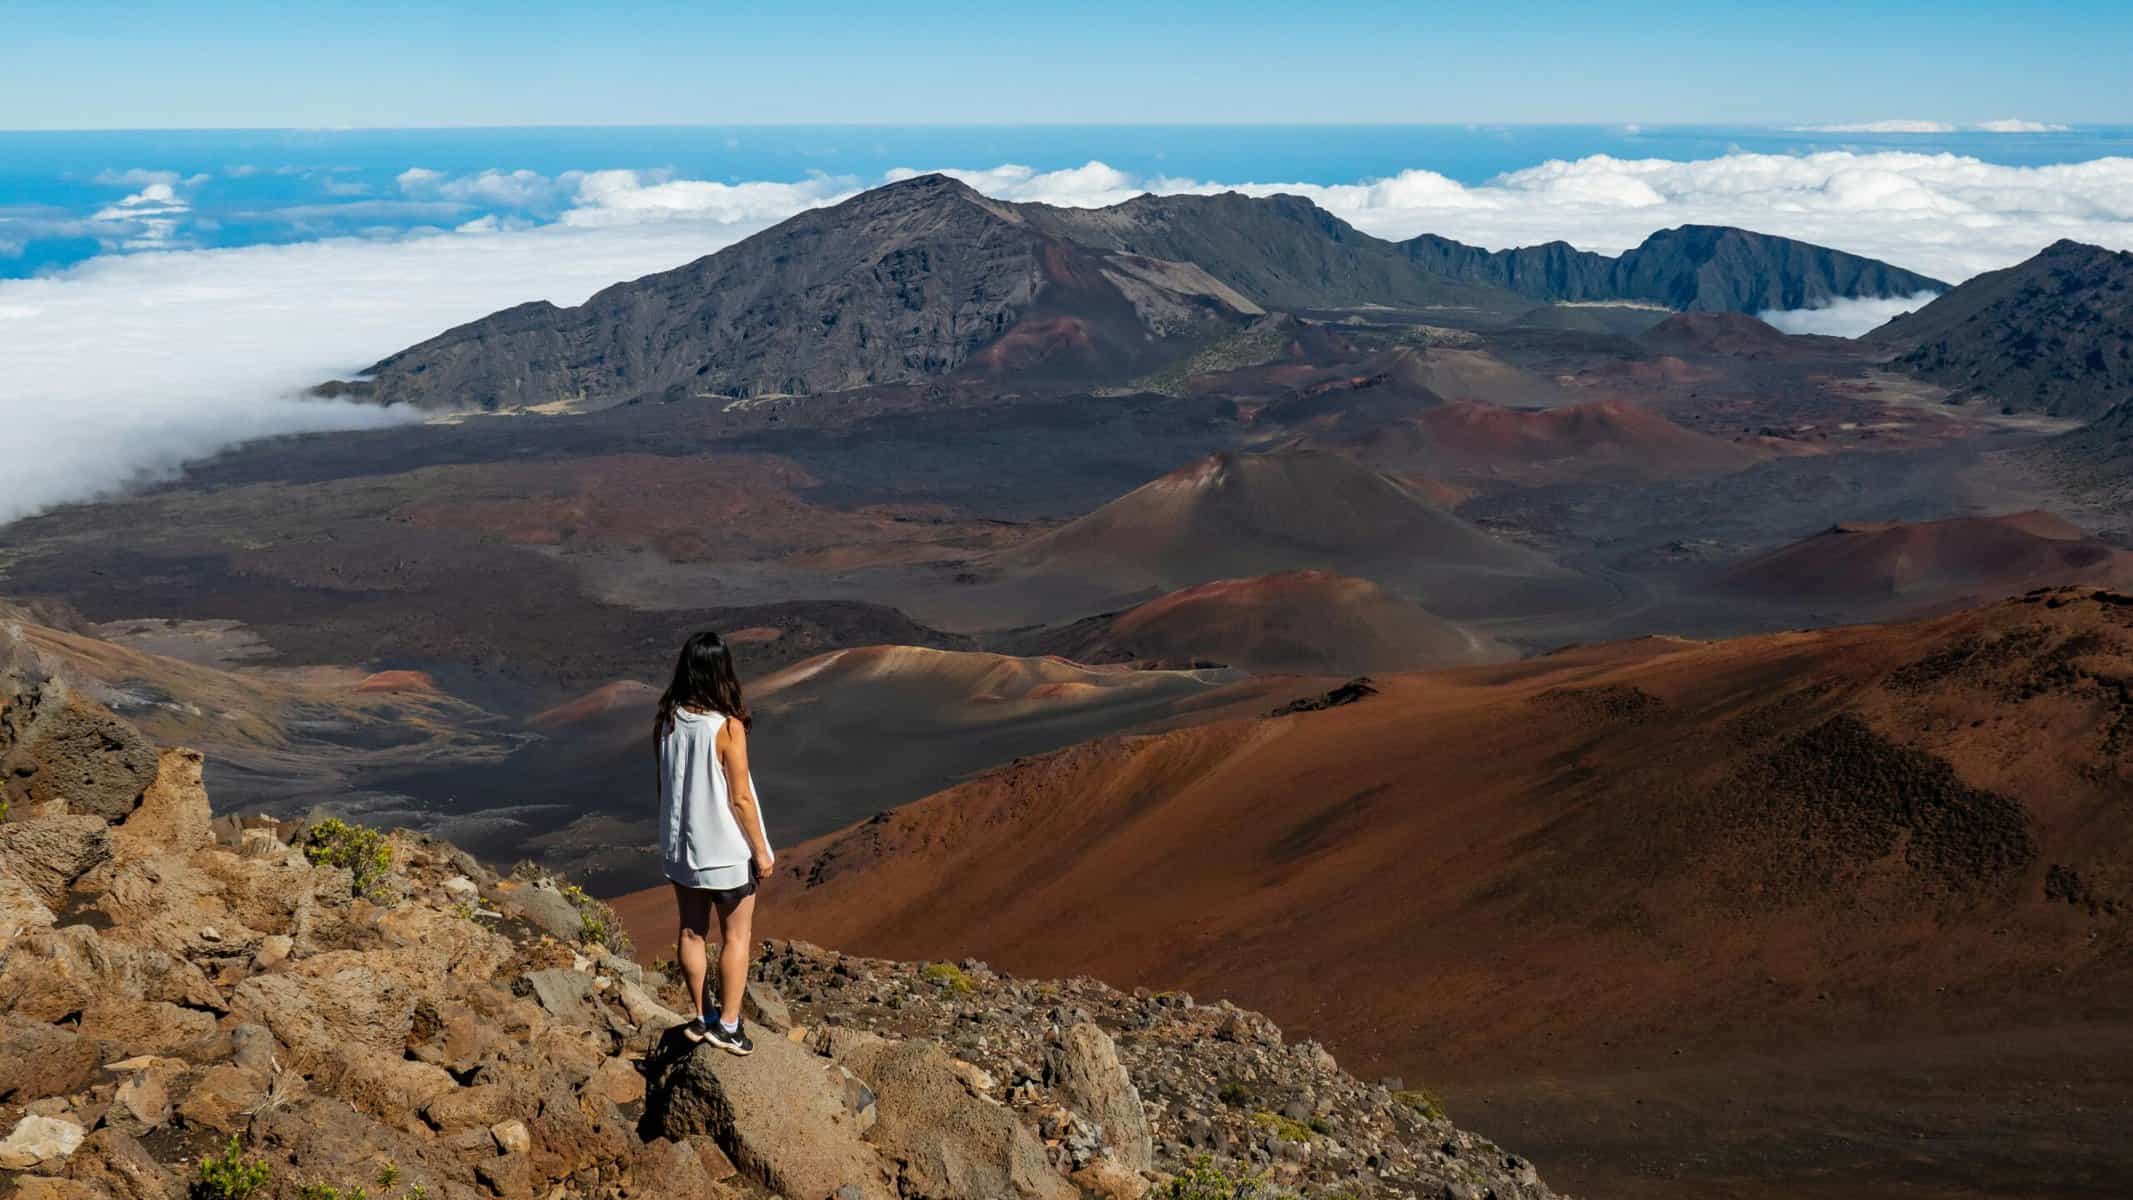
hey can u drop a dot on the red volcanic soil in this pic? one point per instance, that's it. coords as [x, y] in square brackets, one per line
[623, 694]
[1734, 335]
[1648, 855]
[1602, 439]
[399, 681]
[1234, 515]
[1297, 622]
[688, 508]
[1936, 562]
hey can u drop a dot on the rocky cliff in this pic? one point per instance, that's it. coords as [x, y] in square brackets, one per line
[200, 1007]
[2052, 334]
[1695, 268]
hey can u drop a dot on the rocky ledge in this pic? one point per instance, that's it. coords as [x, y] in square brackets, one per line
[203, 1008]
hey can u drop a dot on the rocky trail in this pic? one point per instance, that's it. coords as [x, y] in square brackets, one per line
[205, 1008]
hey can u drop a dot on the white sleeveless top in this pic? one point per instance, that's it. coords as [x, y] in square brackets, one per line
[699, 838]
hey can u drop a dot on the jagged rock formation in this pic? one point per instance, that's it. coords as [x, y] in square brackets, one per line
[202, 1008]
[2053, 334]
[1694, 268]
[926, 279]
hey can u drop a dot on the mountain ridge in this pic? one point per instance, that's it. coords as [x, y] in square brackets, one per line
[2051, 334]
[927, 279]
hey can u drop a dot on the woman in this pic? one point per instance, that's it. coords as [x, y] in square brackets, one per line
[710, 830]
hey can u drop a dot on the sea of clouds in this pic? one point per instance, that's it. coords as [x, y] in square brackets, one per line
[124, 368]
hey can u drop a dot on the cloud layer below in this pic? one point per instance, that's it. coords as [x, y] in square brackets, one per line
[129, 365]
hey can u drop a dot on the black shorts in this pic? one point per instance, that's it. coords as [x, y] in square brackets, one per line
[733, 895]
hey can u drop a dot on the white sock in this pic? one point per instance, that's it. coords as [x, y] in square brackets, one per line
[732, 1026]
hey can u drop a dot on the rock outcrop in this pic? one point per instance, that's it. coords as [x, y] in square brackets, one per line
[240, 1015]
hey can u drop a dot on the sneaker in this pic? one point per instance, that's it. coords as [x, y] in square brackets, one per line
[735, 1042]
[696, 1029]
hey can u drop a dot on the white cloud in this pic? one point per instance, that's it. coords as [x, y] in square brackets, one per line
[154, 200]
[513, 189]
[128, 366]
[611, 198]
[2016, 125]
[2004, 125]
[1897, 126]
[1846, 318]
[138, 177]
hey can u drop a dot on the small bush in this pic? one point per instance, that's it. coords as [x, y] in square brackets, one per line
[1285, 1128]
[1235, 1094]
[1203, 1180]
[602, 927]
[1422, 1101]
[949, 977]
[365, 852]
[229, 1175]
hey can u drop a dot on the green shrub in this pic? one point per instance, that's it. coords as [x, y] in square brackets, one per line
[229, 1175]
[1235, 1094]
[1422, 1101]
[367, 853]
[949, 977]
[1203, 1180]
[602, 927]
[1285, 1128]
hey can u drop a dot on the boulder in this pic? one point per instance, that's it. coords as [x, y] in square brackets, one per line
[511, 1137]
[224, 1097]
[478, 1107]
[565, 994]
[542, 905]
[1082, 1067]
[120, 1167]
[38, 1060]
[21, 908]
[338, 999]
[386, 1085]
[173, 816]
[145, 1026]
[458, 946]
[945, 1142]
[252, 1047]
[59, 747]
[52, 975]
[761, 1004]
[618, 1081]
[37, 1140]
[779, 1114]
[47, 854]
[143, 1100]
[644, 1011]
[663, 1167]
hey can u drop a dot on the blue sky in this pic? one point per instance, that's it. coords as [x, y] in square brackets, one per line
[85, 64]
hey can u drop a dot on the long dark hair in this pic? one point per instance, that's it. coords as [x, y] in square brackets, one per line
[704, 680]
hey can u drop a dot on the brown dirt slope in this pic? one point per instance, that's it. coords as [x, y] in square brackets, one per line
[1592, 858]
[1597, 440]
[1295, 622]
[1236, 515]
[1933, 562]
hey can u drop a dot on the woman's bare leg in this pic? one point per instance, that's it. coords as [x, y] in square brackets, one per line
[736, 938]
[693, 909]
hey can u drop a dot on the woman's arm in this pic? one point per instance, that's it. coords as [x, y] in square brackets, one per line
[740, 787]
